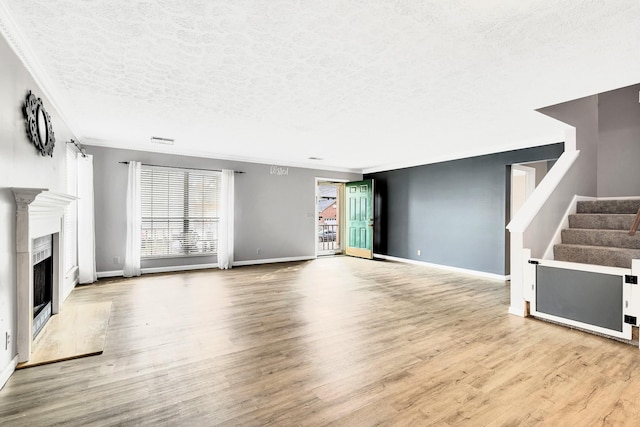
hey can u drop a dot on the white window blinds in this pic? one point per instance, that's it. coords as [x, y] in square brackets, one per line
[179, 212]
[71, 213]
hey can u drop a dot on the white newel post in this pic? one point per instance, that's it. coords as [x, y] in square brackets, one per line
[518, 304]
[39, 212]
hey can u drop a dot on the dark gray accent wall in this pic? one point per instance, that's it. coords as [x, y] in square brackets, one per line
[453, 212]
[274, 214]
[619, 145]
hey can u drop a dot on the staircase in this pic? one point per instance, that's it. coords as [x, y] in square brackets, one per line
[599, 234]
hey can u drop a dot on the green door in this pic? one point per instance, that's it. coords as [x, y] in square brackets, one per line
[359, 195]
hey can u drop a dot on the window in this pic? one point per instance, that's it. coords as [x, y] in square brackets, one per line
[179, 212]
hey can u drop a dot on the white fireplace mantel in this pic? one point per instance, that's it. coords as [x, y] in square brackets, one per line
[39, 212]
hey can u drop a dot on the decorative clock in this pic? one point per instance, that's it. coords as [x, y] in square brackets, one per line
[38, 122]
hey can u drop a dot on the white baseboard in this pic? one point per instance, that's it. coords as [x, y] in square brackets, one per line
[68, 289]
[177, 268]
[517, 311]
[482, 274]
[272, 260]
[8, 371]
[114, 273]
[171, 269]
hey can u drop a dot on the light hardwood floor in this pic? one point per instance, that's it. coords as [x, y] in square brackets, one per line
[335, 341]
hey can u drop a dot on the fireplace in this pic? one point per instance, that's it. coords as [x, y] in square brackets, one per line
[39, 251]
[42, 282]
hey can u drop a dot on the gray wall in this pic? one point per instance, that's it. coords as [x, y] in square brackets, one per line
[273, 214]
[619, 146]
[581, 113]
[20, 166]
[453, 212]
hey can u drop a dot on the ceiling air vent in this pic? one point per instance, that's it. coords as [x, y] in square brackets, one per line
[158, 140]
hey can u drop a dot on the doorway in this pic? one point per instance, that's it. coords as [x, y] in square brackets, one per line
[329, 217]
[522, 180]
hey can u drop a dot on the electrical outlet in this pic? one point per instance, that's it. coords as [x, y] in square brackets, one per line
[258, 251]
[7, 341]
[116, 260]
[419, 252]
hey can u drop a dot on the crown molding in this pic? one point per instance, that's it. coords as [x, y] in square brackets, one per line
[19, 45]
[553, 138]
[170, 150]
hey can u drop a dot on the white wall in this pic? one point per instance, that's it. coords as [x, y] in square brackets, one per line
[21, 165]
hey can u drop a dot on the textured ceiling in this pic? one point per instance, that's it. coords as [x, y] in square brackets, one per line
[362, 84]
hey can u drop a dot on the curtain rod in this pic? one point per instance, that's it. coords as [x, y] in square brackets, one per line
[80, 149]
[179, 167]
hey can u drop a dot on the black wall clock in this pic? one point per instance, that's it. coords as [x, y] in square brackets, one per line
[38, 123]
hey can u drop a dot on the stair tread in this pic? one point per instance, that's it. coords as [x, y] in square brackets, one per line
[601, 221]
[626, 205]
[600, 237]
[596, 255]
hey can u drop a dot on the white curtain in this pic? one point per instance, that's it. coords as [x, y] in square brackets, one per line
[225, 225]
[86, 221]
[134, 222]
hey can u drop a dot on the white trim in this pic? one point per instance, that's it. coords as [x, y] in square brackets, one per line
[517, 311]
[69, 288]
[272, 260]
[8, 371]
[18, 43]
[627, 295]
[618, 198]
[341, 213]
[591, 268]
[625, 334]
[420, 161]
[331, 180]
[174, 150]
[113, 273]
[534, 204]
[529, 185]
[178, 268]
[483, 274]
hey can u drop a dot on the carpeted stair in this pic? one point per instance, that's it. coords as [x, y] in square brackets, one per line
[599, 234]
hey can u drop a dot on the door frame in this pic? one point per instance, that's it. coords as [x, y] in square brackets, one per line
[530, 182]
[341, 215]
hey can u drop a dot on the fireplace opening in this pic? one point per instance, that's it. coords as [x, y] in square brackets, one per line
[42, 282]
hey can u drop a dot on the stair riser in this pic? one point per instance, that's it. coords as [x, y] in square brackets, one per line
[609, 206]
[601, 221]
[612, 238]
[595, 255]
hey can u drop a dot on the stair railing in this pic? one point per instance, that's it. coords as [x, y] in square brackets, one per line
[636, 223]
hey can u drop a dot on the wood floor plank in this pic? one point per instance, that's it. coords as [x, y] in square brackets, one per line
[333, 341]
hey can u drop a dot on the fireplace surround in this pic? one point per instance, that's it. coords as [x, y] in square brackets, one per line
[39, 213]
[42, 282]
